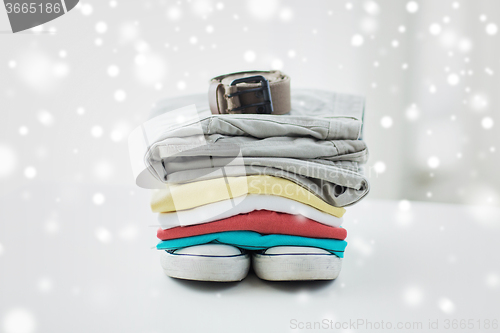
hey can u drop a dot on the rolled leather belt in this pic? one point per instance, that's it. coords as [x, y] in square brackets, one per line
[250, 92]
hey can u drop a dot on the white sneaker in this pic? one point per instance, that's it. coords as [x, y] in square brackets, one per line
[208, 262]
[292, 263]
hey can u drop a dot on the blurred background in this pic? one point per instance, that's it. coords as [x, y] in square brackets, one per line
[76, 233]
[72, 89]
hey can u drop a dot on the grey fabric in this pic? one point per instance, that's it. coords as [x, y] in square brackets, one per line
[336, 186]
[293, 147]
[177, 172]
[264, 126]
[316, 145]
[320, 114]
[292, 154]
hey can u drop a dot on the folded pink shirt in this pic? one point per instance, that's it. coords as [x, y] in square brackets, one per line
[261, 221]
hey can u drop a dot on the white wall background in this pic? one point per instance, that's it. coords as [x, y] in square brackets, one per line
[71, 91]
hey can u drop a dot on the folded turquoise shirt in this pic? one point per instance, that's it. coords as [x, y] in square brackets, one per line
[250, 240]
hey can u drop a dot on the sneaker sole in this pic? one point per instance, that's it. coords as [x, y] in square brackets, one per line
[296, 267]
[205, 268]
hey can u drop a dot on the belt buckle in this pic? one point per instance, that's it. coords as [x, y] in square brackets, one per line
[266, 107]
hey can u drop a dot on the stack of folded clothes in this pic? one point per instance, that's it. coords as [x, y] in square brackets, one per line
[232, 189]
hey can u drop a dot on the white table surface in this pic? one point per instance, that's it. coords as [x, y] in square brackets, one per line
[69, 265]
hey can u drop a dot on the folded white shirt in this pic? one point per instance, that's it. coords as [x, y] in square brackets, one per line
[230, 207]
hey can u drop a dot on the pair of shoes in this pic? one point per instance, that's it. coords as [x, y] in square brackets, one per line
[226, 263]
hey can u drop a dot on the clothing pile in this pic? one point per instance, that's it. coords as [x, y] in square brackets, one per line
[236, 188]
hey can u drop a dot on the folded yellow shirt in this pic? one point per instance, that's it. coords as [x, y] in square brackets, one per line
[190, 195]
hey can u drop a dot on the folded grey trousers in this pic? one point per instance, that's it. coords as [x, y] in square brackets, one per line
[314, 145]
[305, 102]
[304, 157]
[264, 126]
[337, 186]
[293, 147]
